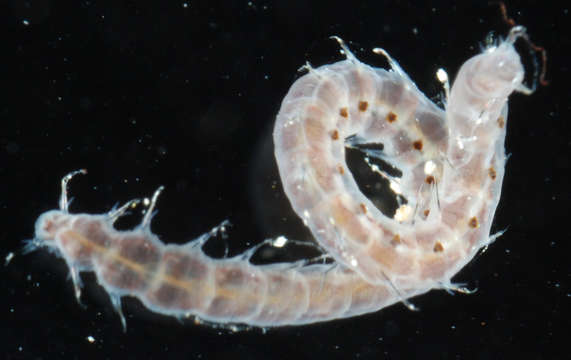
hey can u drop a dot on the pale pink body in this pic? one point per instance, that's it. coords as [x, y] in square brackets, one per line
[452, 164]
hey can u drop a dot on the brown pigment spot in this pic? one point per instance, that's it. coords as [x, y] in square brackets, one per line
[391, 117]
[340, 169]
[363, 208]
[396, 240]
[492, 173]
[335, 135]
[438, 247]
[417, 145]
[343, 112]
[473, 223]
[501, 122]
[363, 105]
[429, 179]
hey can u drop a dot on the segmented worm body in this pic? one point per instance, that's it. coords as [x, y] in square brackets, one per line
[452, 165]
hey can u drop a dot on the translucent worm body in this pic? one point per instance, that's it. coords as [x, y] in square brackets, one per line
[452, 165]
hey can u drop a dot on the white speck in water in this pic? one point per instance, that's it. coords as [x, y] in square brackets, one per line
[8, 258]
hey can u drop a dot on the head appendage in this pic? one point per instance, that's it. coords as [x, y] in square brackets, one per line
[518, 31]
[36, 243]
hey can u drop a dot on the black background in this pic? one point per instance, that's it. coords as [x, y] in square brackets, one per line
[149, 93]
